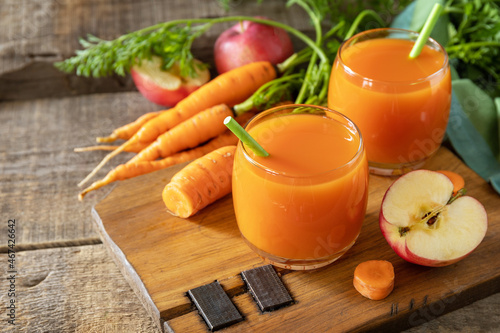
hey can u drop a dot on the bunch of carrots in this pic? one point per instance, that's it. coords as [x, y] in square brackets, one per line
[190, 130]
[194, 127]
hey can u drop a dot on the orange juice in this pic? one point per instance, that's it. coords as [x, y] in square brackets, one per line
[302, 206]
[401, 105]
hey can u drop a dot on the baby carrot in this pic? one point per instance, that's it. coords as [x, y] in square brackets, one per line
[457, 180]
[190, 133]
[130, 170]
[125, 132]
[200, 183]
[230, 88]
[374, 279]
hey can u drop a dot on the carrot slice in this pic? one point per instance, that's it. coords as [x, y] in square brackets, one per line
[374, 279]
[457, 180]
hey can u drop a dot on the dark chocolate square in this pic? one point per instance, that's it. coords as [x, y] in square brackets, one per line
[267, 288]
[215, 306]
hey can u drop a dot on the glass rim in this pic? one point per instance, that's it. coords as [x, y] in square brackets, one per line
[429, 77]
[352, 160]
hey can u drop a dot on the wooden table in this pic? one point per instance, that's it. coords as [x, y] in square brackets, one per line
[63, 276]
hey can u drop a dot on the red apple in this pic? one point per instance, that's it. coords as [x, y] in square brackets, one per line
[425, 227]
[166, 88]
[249, 41]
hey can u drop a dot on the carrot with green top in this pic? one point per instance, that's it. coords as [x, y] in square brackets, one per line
[200, 183]
[130, 170]
[229, 88]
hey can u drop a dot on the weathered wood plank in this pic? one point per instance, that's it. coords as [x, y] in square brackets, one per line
[75, 289]
[39, 171]
[35, 33]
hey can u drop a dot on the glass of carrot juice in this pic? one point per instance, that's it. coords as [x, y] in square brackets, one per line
[301, 207]
[401, 105]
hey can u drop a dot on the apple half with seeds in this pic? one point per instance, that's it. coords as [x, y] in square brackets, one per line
[425, 224]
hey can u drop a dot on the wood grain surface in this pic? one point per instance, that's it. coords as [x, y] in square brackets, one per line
[163, 257]
[66, 280]
[38, 177]
[73, 289]
[40, 170]
[37, 33]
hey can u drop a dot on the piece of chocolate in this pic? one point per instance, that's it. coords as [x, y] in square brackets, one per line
[267, 288]
[215, 306]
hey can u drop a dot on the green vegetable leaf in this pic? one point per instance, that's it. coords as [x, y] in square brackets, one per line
[475, 41]
[171, 42]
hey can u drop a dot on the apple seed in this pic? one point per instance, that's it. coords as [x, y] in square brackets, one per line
[403, 231]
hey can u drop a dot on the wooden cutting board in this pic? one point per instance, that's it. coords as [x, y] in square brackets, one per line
[162, 257]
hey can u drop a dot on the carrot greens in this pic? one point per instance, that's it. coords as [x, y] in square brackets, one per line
[472, 42]
[304, 76]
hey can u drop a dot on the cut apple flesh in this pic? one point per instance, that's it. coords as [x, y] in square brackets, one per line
[165, 79]
[410, 198]
[171, 79]
[421, 224]
[455, 233]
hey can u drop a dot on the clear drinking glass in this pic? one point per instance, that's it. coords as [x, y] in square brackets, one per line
[401, 105]
[302, 207]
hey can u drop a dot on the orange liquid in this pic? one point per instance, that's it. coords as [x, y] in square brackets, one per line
[294, 206]
[401, 105]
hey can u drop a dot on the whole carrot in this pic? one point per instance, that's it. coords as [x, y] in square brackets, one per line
[130, 170]
[230, 88]
[200, 183]
[190, 133]
[125, 132]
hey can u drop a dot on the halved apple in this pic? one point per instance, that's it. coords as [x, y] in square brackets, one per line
[424, 224]
[166, 88]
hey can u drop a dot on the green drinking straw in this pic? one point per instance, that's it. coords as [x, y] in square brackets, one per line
[426, 30]
[245, 137]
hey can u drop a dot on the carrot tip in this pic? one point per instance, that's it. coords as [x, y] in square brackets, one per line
[110, 138]
[102, 163]
[93, 148]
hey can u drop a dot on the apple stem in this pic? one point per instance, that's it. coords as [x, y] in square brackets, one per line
[458, 195]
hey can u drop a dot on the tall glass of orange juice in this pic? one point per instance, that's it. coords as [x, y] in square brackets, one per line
[301, 207]
[401, 105]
